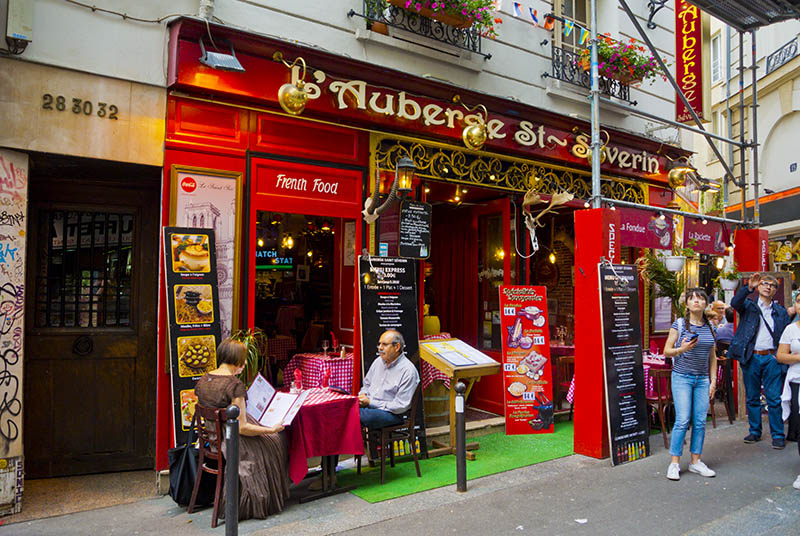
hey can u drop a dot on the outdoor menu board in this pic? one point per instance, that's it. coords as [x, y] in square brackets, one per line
[389, 301]
[527, 369]
[622, 363]
[192, 305]
[415, 230]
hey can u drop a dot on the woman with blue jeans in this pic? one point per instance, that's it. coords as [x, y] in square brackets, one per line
[691, 345]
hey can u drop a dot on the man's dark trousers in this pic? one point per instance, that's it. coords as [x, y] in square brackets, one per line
[764, 370]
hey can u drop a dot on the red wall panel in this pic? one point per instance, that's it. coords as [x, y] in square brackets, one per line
[206, 126]
[316, 141]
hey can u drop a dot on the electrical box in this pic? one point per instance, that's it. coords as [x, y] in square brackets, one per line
[18, 23]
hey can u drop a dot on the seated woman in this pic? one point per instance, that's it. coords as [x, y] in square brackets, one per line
[263, 454]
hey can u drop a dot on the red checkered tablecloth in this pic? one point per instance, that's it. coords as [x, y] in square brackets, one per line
[429, 372]
[314, 366]
[649, 386]
[279, 347]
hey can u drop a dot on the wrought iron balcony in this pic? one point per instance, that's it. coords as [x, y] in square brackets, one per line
[566, 66]
[396, 17]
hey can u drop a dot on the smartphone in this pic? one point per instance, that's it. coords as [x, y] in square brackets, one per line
[692, 337]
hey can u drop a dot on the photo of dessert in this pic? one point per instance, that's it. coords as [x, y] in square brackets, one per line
[193, 304]
[196, 355]
[190, 253]
[188, 402]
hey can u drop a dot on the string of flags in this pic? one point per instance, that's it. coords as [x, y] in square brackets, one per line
[549, 21]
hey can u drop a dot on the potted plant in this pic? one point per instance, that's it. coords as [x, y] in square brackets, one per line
[653, 269]
[675, 262]
[728, 278]
[627, 63]
[256, 341]
[462, 14]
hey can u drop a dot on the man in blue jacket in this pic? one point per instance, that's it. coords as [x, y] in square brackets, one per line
[761, 324]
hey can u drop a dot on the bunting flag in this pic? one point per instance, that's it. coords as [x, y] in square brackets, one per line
[549, 23]
[534, 17]
[517, 9]
[568, 27]
[584, 35]
[498, 5]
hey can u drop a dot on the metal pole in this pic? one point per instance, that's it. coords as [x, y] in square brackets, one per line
[461, 439]
[672, 81]
[728, 118]
[647, 115]
[742, 171]
[754, 90]
[665, 210]
[232, 471]
[595, 96]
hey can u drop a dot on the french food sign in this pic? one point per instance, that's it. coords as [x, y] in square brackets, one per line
[527, 369]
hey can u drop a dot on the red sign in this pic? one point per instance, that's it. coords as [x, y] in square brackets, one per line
[356, 102]
[644, 229]
[527, 370]
[711, 237]
[689, 59]
[188, 184]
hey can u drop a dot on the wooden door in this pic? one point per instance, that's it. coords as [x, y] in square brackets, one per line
[90, 347]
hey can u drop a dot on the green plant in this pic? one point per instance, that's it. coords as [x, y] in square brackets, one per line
[623, 61]
[688, 250]
[480, 13]
[731, 273]
[652, 269]
[255, 340]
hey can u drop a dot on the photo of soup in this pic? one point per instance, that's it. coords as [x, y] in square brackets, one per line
[193, 304]
[196, 355]
[190, 253]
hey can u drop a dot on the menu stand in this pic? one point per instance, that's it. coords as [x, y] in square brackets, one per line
[467, 373]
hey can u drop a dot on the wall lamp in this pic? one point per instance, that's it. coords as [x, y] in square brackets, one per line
[220, 60]
[474, 134]
[403, 181]
[292, 97]
[707, 185]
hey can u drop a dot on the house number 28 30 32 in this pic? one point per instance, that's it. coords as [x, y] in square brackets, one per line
[80, 106]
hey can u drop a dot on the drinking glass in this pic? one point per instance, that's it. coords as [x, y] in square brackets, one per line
[325, 344]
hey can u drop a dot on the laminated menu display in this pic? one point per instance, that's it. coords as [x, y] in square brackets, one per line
[622, 363]
[415, 230]
[270, 407]
[194, 322]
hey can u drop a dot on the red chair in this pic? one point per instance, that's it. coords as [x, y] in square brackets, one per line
[210, 422]
[662, 398]
[565, 369]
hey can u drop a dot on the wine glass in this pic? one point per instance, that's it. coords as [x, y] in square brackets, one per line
[325, 344]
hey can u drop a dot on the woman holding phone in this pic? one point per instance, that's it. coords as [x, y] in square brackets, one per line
[691, 345]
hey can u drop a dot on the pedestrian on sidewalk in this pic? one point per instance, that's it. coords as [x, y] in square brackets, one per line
[691, 345]
[789, 354]
[761, 324]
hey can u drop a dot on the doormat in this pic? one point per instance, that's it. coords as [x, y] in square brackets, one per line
[497, 453]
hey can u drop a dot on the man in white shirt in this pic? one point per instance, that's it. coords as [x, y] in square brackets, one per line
[389, 385]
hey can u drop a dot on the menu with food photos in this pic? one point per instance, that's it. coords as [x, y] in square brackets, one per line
[270, 407]
[192, 301]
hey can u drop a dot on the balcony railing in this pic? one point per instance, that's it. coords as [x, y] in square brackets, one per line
[566, 66]
[466, 39]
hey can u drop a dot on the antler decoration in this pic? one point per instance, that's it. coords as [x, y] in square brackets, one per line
[532, 222]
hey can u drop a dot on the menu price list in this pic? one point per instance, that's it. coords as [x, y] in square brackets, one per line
[193, 305]
[624, 373]
[415, 230]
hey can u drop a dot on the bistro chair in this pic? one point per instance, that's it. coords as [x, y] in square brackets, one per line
[210, 437]
[724, 383]
[662, 398]
[381, 439]
[565, 369]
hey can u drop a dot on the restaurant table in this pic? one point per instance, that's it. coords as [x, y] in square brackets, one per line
[314, 365]
[328, 424]
[430, 373]
[654, 361]
[279, 347]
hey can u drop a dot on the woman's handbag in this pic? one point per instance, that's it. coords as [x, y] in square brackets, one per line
[183, 472]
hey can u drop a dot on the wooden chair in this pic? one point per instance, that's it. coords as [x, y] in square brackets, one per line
[724, 384]
[210, 434]
[662, 398]
[565, 368]
[311, 339]
[381, 439]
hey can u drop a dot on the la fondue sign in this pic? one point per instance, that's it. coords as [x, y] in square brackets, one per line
[356, 95]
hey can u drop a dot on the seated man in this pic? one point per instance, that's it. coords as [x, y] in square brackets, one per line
[389, 384]
[725, 332]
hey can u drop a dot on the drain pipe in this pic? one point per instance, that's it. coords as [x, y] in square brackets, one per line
[728, 118]
[206, 10]
[742, 153]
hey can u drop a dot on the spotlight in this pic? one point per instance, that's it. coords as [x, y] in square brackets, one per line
[720, 263]
[587, 205]
[705, 221]
[220, 60]
[661, 215]
[612, 207]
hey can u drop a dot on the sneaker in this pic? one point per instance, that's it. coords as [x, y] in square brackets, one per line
[779, 444]
[796, 484]
[752, 438]
[701, 469]
[674, 472]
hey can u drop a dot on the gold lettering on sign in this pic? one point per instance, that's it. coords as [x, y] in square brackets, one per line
[357, 91]
[687, 77]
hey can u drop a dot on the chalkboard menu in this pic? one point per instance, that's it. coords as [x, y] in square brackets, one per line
[388, 297]
[622, 363]
[415, 230]
[194, 323]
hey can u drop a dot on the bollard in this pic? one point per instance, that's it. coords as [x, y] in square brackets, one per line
[461, 439]
[232, 471]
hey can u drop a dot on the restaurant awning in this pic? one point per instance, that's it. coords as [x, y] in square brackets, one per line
[746, 15]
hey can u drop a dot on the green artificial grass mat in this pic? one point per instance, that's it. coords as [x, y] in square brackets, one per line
[497, 453]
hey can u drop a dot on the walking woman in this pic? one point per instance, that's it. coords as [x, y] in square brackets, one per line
[691, 345]
[789, 354]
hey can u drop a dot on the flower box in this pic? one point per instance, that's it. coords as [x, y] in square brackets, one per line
[674, 263]
[445, 18]
[622, 77]
[728, 284]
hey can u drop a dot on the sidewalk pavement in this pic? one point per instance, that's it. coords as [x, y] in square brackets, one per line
[752, 494]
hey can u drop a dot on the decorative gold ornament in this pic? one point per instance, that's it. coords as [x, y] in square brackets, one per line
[474, 134]
[292, 97]
[677, 178]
